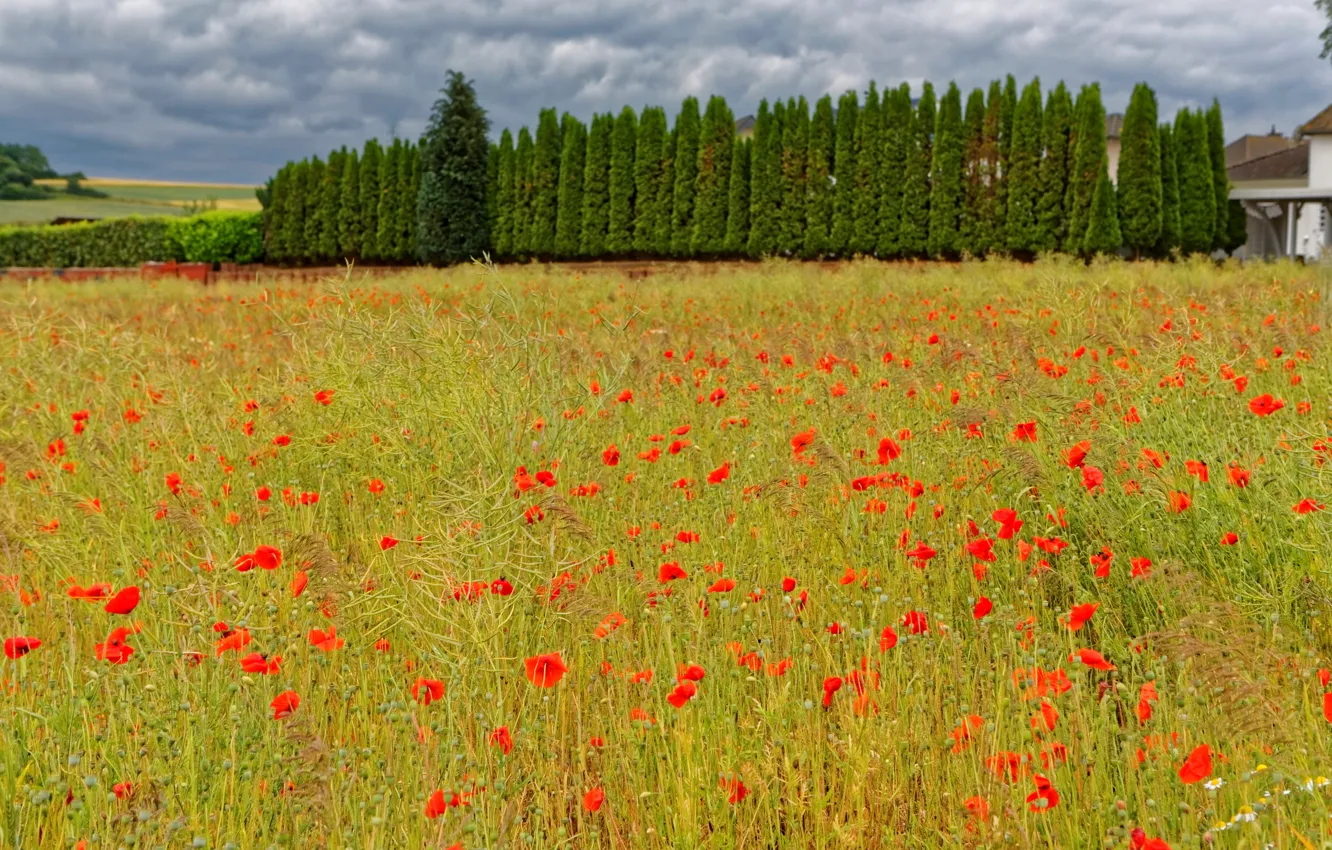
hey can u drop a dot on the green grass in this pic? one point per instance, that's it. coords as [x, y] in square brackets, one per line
[445, 384]
[126, 199]
[40, 212]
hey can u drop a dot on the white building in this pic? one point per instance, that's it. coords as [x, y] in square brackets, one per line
[1286, 188]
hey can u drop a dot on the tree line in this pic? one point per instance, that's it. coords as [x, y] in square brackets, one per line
[888, 174]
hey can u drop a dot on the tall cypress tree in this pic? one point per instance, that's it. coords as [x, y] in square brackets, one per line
[311, 248]
[293, 226]
[972, 173]
[869, 146]
[275, 251]
[1022, 229]
[596, 187]
[947, 191]
[795, 145]
[330, 198]
[1216, 150]
[895, 123]
[686, 176]
[647, 177]
[503, 236]
[522, 194]
[713, 184]
[665, 198]
[844, 174]
[1088, 152]
[545, 184]
[349, 207]
[1007, 114]
[620, 226]
[765, 184]
[1103, 234]
[990, 219]
[1170, 233]
[368, 239]
[818, 180]
[1140, 190]
[573, 167]
[452, 221]
[1054, 169]
[407, 223]
[1197, 190]
[492, 194]
[387, 215]
[913, 239]
[737, 214]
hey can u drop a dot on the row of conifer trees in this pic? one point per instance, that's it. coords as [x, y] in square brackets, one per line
[887, 175]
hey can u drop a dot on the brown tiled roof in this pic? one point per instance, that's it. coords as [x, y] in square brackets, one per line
[1289, 164]
[1114, 125]
[1250, 147]
[745, 124]
[1318, 125]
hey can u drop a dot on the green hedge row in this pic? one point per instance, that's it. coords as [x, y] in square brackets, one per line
[214, 237]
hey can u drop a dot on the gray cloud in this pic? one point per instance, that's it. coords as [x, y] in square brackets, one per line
[230, 89]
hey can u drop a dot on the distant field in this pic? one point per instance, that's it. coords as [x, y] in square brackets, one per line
[128, 197]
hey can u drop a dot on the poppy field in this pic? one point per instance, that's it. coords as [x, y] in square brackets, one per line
[879, 556]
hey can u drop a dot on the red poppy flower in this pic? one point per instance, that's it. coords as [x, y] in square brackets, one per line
[257, 663]
[502, 739]
[1092, 659]
[17, 647]
[831, 685]
[802, 441]
[1265, 404]
[788, 584]
[735, 790]
[1198, 766]
[888, 639]
[889, 450]
[94, 593]
[324, 397]
[670, 571]
[1045, 797]
[915, 622]
[720, 474]
[1308, 506]
[1230, 538]
[124, 602]
[593, 799]
[298, 583]
[1025, 432]
[1179, 502]
[1080, 614]
[545, 671]
[1076, 454]
[723, 585]
[982, 549]
[386, 543]
[326, 641]
[426, 691]
[1327, 697]
[1008, 521]
[284, 704]
[682, 694]
[436, 805]
[982, 607]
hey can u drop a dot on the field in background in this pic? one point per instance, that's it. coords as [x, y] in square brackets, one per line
[128, 197]
[878, 556]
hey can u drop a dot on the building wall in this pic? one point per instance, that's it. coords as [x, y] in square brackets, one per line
[1112, 153]
[1320, 162]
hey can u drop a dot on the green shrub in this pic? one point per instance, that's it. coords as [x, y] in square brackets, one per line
[117, 242]
[220, 237]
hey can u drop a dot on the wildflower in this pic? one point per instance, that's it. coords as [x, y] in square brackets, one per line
[545, 671]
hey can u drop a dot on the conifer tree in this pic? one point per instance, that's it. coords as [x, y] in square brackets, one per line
[293, 226]
[452, 223]
[1216, 150]
[990, 218]
[686, 176]
[522, 194]
[712, 188]
[504, 197]
[311, 249]
[913, 239]
[647, 177]
[795, 144]
[844, 172]
[1103, 235]
[349, 207]
[1237, 226]
[973, 172]
[947, 191]
[1140, 191]
[275, 217]
[371, 162]
[737, 216]
[1197, 190]
[665, 198]
[1022, 228]
[1168, 242]
[620, 225]
[1007, 114]
[387, 215]
[1088, 152]
[895, 123]
[1057, 129]
[330, 198]
[596, 187]
[869, 151]
[765, 184]
[492, 193]
[545, 184]
[573, 167]
[408, 206]
[818, 180]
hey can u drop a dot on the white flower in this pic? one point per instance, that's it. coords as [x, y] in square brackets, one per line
[1214, 783]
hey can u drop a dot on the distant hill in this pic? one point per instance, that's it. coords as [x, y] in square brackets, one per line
[21, 166]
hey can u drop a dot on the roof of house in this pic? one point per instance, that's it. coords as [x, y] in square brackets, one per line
[1289, 164]
[1114, 125]
[1320, 124]
[1249, 147]
[745, 124]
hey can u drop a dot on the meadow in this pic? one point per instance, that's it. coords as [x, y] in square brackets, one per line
[126, 198]
[875, 555]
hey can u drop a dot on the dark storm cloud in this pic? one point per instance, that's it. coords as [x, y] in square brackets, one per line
[229, 89]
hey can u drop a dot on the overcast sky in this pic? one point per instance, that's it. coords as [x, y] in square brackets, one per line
[228, 90]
